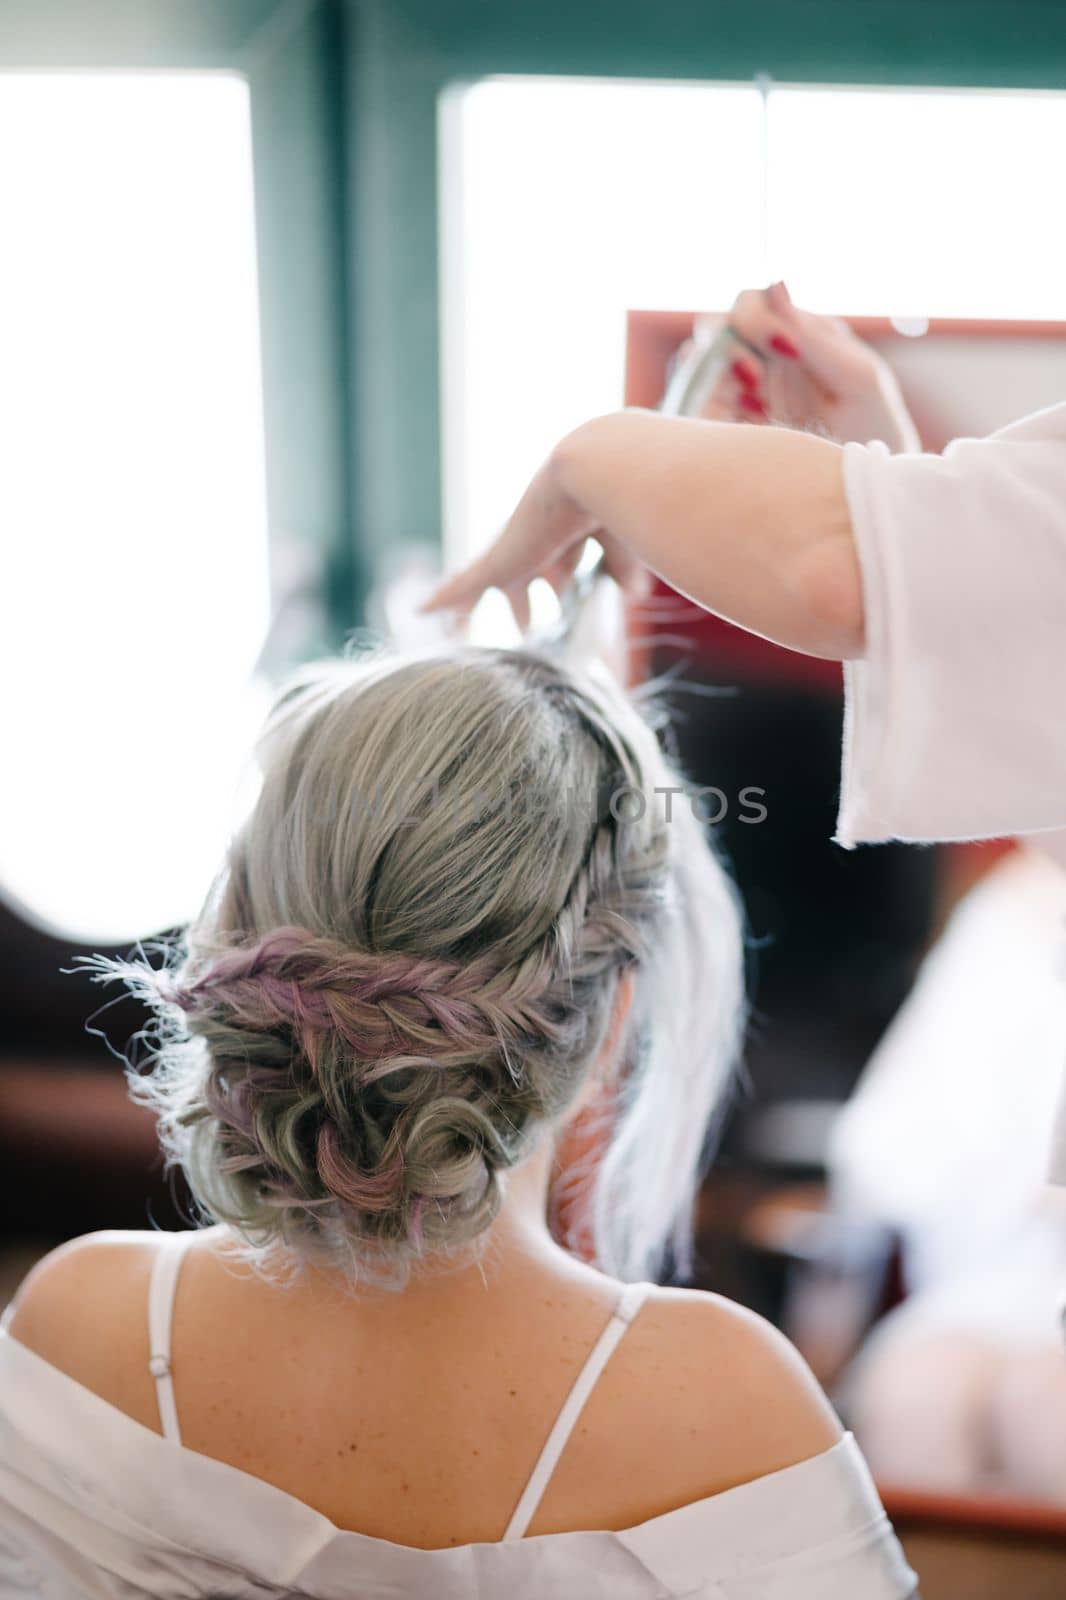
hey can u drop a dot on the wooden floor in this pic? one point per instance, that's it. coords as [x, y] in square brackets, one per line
[957, 1565]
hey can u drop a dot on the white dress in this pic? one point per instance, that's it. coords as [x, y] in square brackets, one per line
[95, 1506]
[955, 721]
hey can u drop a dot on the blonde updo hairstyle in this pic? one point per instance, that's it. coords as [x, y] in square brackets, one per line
[407, 969]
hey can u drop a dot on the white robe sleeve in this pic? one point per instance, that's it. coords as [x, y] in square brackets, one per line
[955, 721]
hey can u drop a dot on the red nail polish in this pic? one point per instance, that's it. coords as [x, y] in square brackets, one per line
[745, 374]
[752, 403]
[783, 346]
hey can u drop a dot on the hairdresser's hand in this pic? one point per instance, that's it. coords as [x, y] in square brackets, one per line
[811, 372]
[544, 538]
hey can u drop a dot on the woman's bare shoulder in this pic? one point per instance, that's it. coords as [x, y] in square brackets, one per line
[83, 1308]
[77, 1273]
[735, 1395]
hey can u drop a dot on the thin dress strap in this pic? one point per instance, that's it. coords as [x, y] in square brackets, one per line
[169, 1255]
[632, 1298]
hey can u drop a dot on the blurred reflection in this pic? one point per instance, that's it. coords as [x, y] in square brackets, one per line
[963, 1387]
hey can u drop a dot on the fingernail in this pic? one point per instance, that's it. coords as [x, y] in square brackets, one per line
[744, 374]
[752, 403]
[783, 346]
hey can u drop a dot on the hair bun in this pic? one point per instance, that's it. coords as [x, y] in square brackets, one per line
[380, 1083]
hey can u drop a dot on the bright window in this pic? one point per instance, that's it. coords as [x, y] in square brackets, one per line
[133, 573]
[566, 202]
[918, 203]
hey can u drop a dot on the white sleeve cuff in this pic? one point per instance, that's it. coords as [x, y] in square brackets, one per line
[955, 721]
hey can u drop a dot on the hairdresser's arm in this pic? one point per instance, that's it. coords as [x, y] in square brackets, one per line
[750, 522]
